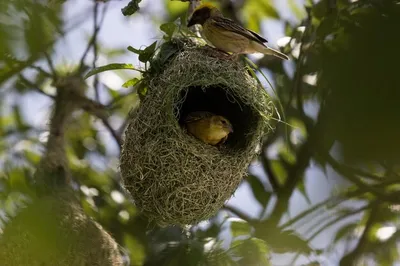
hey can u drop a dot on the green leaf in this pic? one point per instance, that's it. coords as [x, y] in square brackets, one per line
[130, 83]
[131, 8]
[287, 241]
[303, 191]
[147, 53]
[32, 157]
[344, 231]
[19, 120]
[279, 170]
[320, 9]
[134, 50]
[137, 251]
[255, 11]
[260, 244]
[259, 192]
[252, 251]
[142, 89]
[17, 179]
[113, 66]
[166, 52]
[240, 228]
[327, 26]
[175, 8]
[168, 28]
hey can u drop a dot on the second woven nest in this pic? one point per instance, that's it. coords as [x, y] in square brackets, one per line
[173, 177]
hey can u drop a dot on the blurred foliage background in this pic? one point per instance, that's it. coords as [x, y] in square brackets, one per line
[325, 189]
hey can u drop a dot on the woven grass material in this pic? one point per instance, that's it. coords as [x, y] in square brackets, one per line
[173, 177]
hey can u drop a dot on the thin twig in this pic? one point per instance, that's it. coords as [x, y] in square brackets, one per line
[238, 213]
[99, 110]
[93, 39]
[95, 51]
[332, 202]
[337, 219]
[20, 65]
[34, 86]
[114, 133]
[373, 189]
[330, 223]
[41, 70]
[50, 63]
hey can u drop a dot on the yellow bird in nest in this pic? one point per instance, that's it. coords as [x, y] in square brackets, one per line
[210, 128]
[227, 35]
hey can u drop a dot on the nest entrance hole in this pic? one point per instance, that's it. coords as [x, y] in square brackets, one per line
[216, 99]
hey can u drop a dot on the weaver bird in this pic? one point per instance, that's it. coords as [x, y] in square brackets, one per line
[227, 35]
[208, 127]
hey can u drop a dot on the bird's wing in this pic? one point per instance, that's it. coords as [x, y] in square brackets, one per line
[195, 116]
[230, 25]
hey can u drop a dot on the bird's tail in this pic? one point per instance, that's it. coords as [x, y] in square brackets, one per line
[270, 51]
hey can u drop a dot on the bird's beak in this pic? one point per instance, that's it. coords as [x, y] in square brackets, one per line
[230, 129]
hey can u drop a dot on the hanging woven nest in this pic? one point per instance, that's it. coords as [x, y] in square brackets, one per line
[173, 177]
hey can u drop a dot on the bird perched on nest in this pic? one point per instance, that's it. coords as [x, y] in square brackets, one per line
[227, 35]
[210, 128]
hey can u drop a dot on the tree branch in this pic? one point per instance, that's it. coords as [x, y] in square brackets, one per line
[34, 86]
[41, 70]
[53, 168]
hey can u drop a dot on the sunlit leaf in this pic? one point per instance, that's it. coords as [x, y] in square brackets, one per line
[240, 228]
[113, 66]
[17, 180]
[175, 8]
[279, 170]
[258, 189]
[256, 11]
[168, 28]
[130, 83]
[252, 251]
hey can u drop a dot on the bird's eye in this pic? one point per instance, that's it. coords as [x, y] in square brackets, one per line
[223, 122]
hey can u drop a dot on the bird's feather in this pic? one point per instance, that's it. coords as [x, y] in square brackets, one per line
[230, 25]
